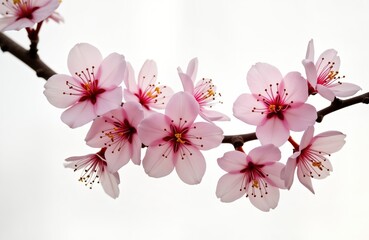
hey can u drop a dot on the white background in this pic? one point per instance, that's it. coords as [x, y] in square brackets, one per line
[40, 199]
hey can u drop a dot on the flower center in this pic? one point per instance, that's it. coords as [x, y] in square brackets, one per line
[178, 136]
[327, 76]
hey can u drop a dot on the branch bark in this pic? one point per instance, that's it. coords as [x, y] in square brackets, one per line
[29, 58]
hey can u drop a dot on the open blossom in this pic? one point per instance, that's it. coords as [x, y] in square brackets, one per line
[174, 140]
[146, 91]
[276, 105]
[94, 170]
[204, 92]
[256, 175]
[323, 75]
[20, 14]
[310, 157]
[92, 90]
[117, 131]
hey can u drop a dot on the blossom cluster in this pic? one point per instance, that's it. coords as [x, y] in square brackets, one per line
[152, 116]
[129, 115]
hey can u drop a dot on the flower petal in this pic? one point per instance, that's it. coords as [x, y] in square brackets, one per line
[344, 89]
[307, 137]
[273, 172]
[129, 79]
[211, 115]
[156, 163]
[296, 87]
[243, 109]
[152, 129]
[192, 69]
[310, 51]
[305, 179]
[233, 161]
[326, 59]
[79, 114]
[311, 73]
[58, 92]
[111, 71]
[192, 167]
[187, 83]
[288, 172]
[109, 182]
[265, 154]
[182, 108]
[205, 136]
[272, 131]
[261, 75]
[268, 201]
[108, 100]
[117, 156]
[299, 118]
[229, 186]
[82, 56]
[161, 101]
[328, 142]
[147, 75]
[325, 92]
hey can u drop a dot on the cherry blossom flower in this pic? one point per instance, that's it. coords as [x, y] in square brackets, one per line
[204, 92]
[94, 170]
[20, 14]
[146, 92]
[257, 175]
[117, 131]
[276, 105]
[323, 75]
[174, 140]
[92, 90]
[310, 157]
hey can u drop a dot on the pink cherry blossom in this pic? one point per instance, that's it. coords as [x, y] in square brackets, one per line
[323, 75]
[94, 170]
[175, 141]
[257, 175]
[117, 131]
[276, 105]
[20, 14]
[92, 90]
[146, 92]
[310, 157]
[204, 92]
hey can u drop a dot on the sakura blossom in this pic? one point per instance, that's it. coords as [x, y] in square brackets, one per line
[174, 140]
[116, 130]
[92, 90]
[94, 170]
[18, 14]
[204, 92]
[276, 104]
[146, 91]
[323, 76]
[310, 158]
[256, 175]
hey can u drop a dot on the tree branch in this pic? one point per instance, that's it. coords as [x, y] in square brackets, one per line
[30, 59]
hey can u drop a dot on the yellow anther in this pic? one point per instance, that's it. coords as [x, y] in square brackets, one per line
[255, 183]
[210, 92]
[16, 1]
[110, 135]
[178, 136]
[332, 75]
[157, 89]
[318, 165]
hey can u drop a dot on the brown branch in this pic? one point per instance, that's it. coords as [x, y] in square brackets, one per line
[30, 59]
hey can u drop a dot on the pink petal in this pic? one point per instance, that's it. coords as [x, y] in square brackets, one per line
[109, 182]
[79, 114]
[265, 154]
[305, 179]
[211, 115]
[44, 10]
[243, 109]
[233, 162]
[129, 79]
[133, 112]
[108, 100]
[192, 69]
[300, 117]
[273, 172]
[261, 75]
[325, 92]
[82, 56]
[328, 142]
[192, 168]
[152, 129]
[163, 97]
[307, 137]
[147, 75]
[117, 156]
[111, 71]
[344, 89]
[273, 132]
[205, 136]
[130, 97]
[296, 86]
[229, 186]
[55, 88]
[289, 171]
[13, 23]
[136, 150]
[310, 51]
[328, 56]
[268, 201]
[157, 165]
[311, 73]
[187, 83]
[182, 108]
